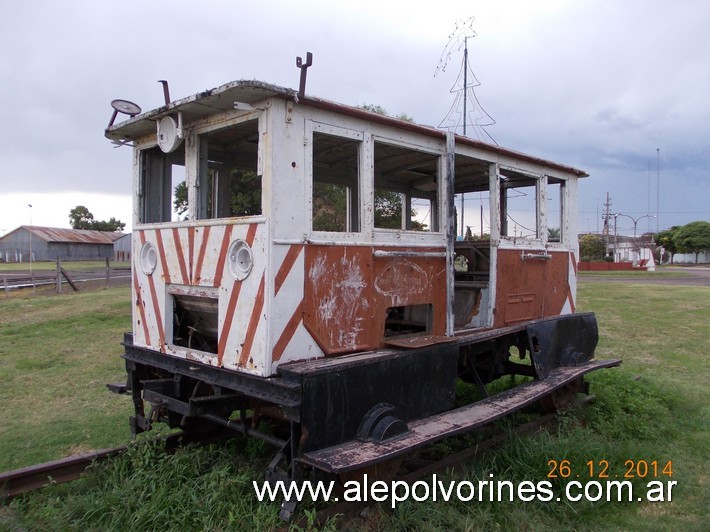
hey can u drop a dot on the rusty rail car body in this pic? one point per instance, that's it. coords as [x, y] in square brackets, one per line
[314, 276]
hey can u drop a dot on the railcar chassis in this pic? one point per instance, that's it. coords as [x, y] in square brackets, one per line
[339, 415]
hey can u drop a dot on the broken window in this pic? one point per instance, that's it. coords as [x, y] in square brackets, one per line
[162, 178]
[336, 203]
[406, 188]
[229, 183]
[518, 205]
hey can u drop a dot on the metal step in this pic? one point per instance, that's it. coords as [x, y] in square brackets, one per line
[356, 454]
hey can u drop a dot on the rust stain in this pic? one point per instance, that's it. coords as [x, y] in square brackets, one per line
[530, 289]
[348, 291]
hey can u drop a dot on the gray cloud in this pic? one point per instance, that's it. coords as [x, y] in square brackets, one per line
[595, 84]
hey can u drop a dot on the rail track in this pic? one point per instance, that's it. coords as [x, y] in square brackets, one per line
[35, 477]
[32, 478]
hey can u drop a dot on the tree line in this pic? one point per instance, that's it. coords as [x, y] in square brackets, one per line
[81, 218]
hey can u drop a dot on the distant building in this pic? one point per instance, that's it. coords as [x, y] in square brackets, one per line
[50, 243]
[122, 248]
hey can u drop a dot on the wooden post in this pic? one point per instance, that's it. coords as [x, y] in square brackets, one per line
[66, 276]
[7, 290]
[59, 276]
[108, 273]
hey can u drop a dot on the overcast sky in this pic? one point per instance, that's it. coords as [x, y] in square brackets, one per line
[597, 84]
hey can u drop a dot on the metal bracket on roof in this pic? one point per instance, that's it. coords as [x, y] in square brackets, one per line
[166, 91]
[304, 70]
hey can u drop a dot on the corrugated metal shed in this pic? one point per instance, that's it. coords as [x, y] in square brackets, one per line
[76, 236]
[51, 243]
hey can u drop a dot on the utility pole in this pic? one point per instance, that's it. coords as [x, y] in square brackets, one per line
[607, 217]
[658, 189]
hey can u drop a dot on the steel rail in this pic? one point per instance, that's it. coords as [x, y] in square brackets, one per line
[34, 477]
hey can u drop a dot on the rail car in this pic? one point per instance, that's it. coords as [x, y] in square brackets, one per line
[297, 261]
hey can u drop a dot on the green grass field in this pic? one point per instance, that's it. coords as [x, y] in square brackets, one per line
[57, 352]
[68, 265]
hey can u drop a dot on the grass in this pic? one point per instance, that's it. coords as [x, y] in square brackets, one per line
[633, 274]
[654, 407]
[56, 356]
[67, 265]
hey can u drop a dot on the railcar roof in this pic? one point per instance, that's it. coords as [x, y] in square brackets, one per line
[223, 98]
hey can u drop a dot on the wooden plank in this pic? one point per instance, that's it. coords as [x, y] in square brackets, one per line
[356, 454]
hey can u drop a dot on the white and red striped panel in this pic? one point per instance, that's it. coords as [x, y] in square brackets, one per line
[197, 257]
[260, 316]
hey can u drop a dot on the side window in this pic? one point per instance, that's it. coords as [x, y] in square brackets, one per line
[336, 197]
[163, 193]
[518, 205]
[555, 209]
[406, 188]
[228, 180]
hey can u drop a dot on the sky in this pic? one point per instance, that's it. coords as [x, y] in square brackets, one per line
[614, 88]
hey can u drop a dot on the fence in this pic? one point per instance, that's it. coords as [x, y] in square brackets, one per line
[76, 277]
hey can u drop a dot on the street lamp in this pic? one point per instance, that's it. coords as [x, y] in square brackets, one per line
[30, 206]
[637, 248]
[636, 220]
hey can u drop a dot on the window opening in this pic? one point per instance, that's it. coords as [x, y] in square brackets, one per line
[336, 204]
[410, 319]
[518, 205]
[229, 183]
[161, 176]
[195, 323]
[555, 201]
[406, 188]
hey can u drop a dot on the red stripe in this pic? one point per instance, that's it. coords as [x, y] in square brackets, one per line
[571, 302]
[161, 252]
[253, 324]
[156, 311]
[228, 317]
[288, 332]
[222, 255]
[251, 234]
[190, 251]
[290, 259]
[181, 257]
[140, 304]
[196, 278]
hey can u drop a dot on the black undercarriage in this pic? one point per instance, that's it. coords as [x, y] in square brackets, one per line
[320, 408]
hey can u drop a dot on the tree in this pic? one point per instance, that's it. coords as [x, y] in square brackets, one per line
[693, 238]
[665, 239]
[591, 247]
[180, 198]
[378, 109]
[81, 218]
